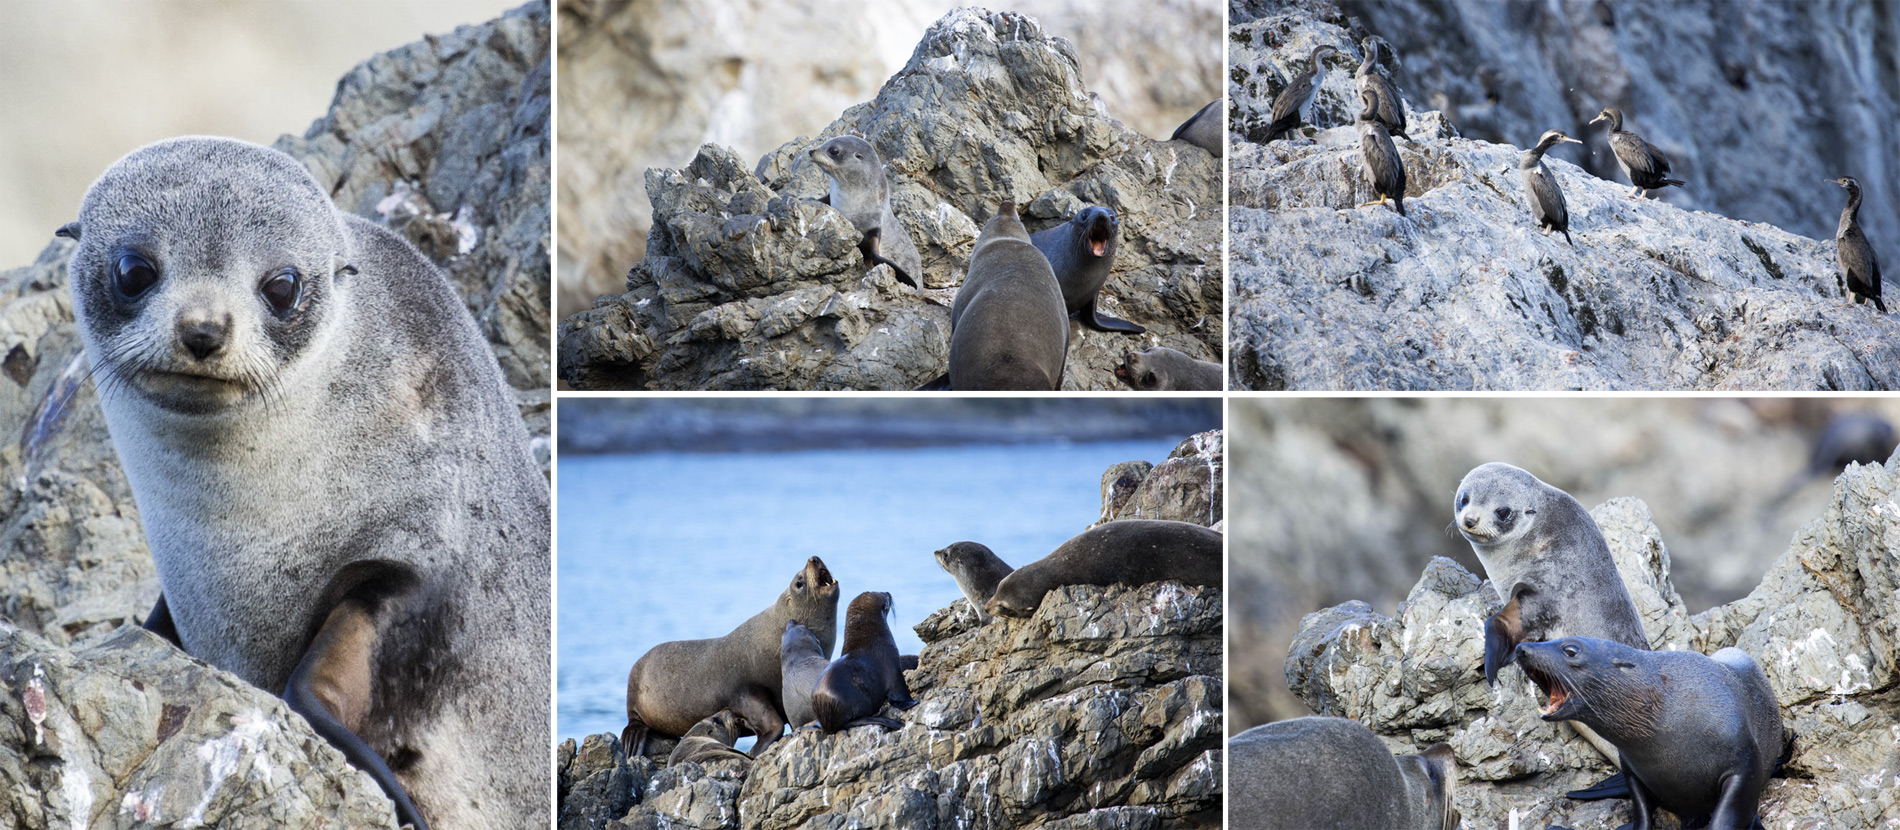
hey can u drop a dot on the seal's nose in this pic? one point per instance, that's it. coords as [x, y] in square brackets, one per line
[203, 338]
[1471, 522]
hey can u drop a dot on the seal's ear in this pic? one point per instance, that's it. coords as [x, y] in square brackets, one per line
[70, 230]
[341, 267]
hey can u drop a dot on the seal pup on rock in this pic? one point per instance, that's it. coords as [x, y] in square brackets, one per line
[680, 683]
[1009, 328]
[860, 191]
[1162, 369]
[1698, 736]
[1333, 772]
[709, 740]
[1203, 129]
[802, 661]
[977, 570]
[1126, 552]
[866, 674]
[331, 472]
[1081, 252]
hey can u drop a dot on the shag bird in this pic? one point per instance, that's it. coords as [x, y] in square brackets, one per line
[1540, 188]
[1857, 257]
[1295, 102]
[1381, 158]
[1641, 161]
[1389, 110]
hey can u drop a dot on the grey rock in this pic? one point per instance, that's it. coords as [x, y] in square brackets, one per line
[1469, 294]
[1184, 487]
[746, 284]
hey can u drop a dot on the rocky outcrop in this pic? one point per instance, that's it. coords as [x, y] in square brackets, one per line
[1467, 293]
[748, 283]
[1820, 625]
[1103, 710]
[445, 140]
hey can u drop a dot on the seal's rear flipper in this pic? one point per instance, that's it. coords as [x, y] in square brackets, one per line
[936, 384]
[331, 689]
[160, 622]
[868, 246]
[1502, 632]
[1095, 319]
[1615, 786]
[892, 724]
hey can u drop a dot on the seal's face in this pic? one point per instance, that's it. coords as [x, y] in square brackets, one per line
[813, 584]
[962, 556]
[204, 272]
[1597, 682]
[798, 640]
[855, 170]
[1496, 505]
[1004, 606]
[1136, 372]
[1097, 228]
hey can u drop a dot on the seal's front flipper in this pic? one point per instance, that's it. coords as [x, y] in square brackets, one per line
[331, 689]
[936, 384]
[1095, 319]
[1502, 632]
[868, 246]
[1615, 786]
[160, 622]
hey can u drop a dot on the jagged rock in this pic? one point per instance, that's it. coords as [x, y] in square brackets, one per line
[128, 731]
[747, 284]
[446, 140]
[1184, 487]
[1468, 293]
[1820, 625]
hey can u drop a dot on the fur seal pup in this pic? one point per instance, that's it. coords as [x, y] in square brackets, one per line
[1203, 129]
[709, 740]
[1698, 736]
[861, 192]
[1162, 369]
[802, 661]
[330, 470]
[977, 570]
[867, 673]
[1009, 328]
[1333, 772]
[1127, 551]
[680, 683]
[1081, 252]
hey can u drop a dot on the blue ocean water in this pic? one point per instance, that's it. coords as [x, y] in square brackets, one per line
[672, 546]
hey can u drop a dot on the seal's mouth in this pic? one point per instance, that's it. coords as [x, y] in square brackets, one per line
[823, 576]
[1098, 238]
[1122, 370]
[191, 393]
[1554, 691]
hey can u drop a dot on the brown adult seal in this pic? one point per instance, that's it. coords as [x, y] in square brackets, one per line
[1162, 369]
[1698, 736]
[1128, 552]
[709, 740]
[978, 571]
[866, 674]
[1009, 328]
[679, 683]
[1333, 772]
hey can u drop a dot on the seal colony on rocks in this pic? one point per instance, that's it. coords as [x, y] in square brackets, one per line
[1334, 772]
[1126, 551]
[331, 472]
[867, 673]
[679, 683]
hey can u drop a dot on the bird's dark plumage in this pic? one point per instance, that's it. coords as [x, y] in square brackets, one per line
[1381, 158]
[1645, 166]
[1389, 110]
[1541, 192]
[1858, 264]
[1298, 95]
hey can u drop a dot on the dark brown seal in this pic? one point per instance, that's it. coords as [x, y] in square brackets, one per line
[709, 740]
[1699, 736]
[1081, 252]
[866, 674]
[1333, 772]
[679, 683]
[1129, 552]
[1009, 328]
[978, 571]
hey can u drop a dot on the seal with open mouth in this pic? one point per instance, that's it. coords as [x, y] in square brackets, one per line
[1081, 251]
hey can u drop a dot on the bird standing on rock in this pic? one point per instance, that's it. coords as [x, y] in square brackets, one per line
[1546, 199]
[1641, 161]
[1858, 264]
[1389, 110]
[1294, 103]
[1381, 158]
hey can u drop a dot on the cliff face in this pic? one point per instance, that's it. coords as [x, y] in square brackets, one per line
[1820, 625]
[446, 141]
[1103, 710]
[748, 284]
[1467, 293]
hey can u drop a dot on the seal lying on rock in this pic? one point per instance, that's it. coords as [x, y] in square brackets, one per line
[1699, 736]
[1333, 772]
[1129, 552]
[679, 683]
[978, 571]
[329, 467]
[867, 673]
[709, 740]
[1162, 369]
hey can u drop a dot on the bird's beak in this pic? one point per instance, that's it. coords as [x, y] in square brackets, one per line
[1569, 140]
[1600, 117]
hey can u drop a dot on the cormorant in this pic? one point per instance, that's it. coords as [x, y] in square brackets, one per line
[1294, 101]
[1857, 257]
[1381, 158]
[1540, 188]
[1643, 163]
[1389, 111]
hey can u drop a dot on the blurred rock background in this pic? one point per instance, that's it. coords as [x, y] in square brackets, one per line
[643, 83]
[1337, 500]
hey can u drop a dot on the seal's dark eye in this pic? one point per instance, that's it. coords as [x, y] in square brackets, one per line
[799, 583]
[282, 290]
[835, 152]
[1463, 500]
[1570, 651]
[133, 276]
[1503, 514]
